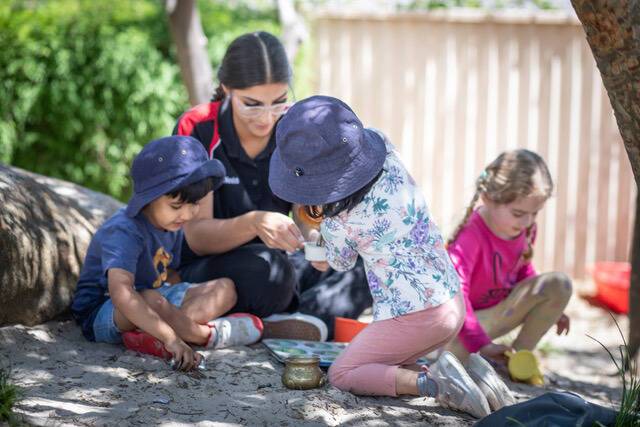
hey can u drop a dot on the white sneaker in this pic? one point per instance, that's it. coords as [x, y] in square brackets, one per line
[235, 329]
[456, 389]
[495, 390]
[295, 326]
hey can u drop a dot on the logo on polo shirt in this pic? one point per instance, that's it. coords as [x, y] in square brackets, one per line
[231, 180]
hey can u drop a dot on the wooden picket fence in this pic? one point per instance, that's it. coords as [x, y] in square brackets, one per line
[453, 89]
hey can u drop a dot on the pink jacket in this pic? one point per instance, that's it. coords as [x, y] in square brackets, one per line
[489, 267]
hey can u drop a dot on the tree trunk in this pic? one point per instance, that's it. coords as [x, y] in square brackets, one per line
[612, 32]
[294, 31]
[191, 46]
[45, 228]
[634, 291]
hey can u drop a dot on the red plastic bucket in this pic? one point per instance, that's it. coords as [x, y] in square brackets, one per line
[347, 329]
[612, 284]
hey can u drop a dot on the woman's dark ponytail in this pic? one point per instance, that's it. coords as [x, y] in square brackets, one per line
[219, 94]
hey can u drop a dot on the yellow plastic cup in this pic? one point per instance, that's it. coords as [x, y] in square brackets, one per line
[523, 366]
[536, 380]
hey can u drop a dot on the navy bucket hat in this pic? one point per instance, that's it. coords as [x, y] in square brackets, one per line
[168, 164]
[323, 153]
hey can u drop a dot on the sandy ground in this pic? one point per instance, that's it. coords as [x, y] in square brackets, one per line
[68, 381]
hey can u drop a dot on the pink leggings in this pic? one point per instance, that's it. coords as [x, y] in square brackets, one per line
[368, 365]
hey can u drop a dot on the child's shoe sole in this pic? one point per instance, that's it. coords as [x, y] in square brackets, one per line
[495, 390]
[456, 389]
[296, 326]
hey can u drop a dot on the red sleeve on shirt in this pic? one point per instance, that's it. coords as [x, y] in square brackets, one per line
[199, 113]
[464, 253]
[189, 124]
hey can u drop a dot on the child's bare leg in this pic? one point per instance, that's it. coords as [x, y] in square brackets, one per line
[406, 382]
[188, 330]
[553, 290]
[535, 303]
[209, 300]
[122, 322]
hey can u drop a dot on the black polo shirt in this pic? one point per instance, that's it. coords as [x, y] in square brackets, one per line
[246, 183]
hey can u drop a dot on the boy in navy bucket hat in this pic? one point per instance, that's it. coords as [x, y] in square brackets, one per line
[352, 180]
[124, 292]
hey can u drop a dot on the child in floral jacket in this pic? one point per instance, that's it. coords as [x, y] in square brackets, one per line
[370, 206]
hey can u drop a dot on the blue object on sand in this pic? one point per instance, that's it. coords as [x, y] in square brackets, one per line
[558, 409]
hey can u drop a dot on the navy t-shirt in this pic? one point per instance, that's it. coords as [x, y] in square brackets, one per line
[131, 244]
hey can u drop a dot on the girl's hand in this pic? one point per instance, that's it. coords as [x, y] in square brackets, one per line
[183, 355]
[309, 221]
[320, 265]
[563, 325]
[278, 231]
[313, 235]
[496, 352]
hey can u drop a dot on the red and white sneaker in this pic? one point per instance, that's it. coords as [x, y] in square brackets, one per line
[143, 342]
[234, 329]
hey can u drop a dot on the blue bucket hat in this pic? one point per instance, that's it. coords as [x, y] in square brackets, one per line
[323, 153]
[167, 164]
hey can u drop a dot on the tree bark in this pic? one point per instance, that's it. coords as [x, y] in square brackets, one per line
[191, 46]
[634, 291]
[45, 229]
[294, 31]
[613, 33]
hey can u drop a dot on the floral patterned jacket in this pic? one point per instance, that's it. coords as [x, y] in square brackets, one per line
[408, 268]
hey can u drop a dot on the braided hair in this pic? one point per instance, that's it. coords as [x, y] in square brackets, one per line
[513, 174]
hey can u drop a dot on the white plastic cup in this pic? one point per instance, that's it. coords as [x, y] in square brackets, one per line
[313, 252]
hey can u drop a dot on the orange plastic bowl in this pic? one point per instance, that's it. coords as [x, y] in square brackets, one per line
[612, 284]
[347, 329]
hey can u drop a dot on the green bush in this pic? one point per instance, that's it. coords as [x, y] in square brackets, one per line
[9, 395]
[84, 84]
[222, 24]
[83, 88]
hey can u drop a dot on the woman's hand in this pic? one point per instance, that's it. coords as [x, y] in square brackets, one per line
[313, 236]
[563, 325]
[496, 352]
[278, 231]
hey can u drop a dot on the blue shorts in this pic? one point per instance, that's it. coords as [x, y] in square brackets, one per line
[105, 328]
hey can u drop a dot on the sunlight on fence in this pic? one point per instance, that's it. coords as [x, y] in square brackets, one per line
[454, 89]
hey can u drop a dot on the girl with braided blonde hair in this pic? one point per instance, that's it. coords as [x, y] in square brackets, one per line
[492, 249]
